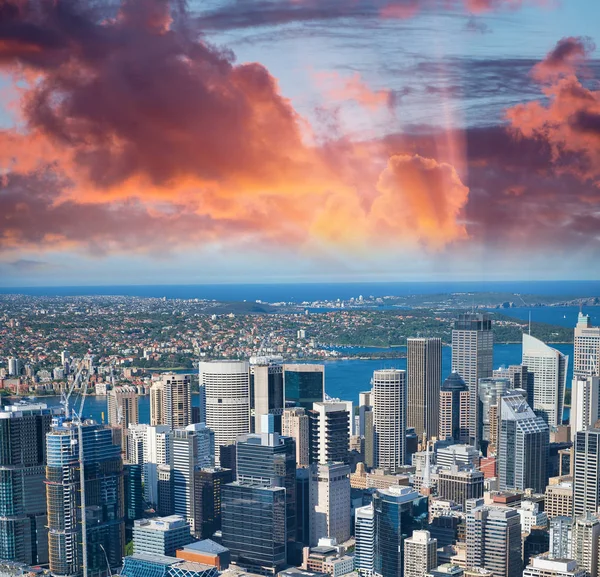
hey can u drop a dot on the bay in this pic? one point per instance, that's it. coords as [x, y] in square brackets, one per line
[561, 316]
[344, 379]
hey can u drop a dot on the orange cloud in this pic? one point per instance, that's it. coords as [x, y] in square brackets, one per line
[354, 88]
[134, 135]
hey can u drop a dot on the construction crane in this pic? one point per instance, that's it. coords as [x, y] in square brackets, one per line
[65, 397]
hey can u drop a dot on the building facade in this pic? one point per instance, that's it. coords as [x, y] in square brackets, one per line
[303, 385]
[454, 410]
[266, 391]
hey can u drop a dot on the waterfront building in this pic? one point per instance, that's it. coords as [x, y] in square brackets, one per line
[389, 418]
[522, 453]
[226, 386]
[329, 438]
[494, 540]
[454, 410]
[103, 490]
[162, 535]
[424, 377]
[266, 391]
[304, 385]
[549, 368]
[23, 532]
[472, 358]
[420, 554]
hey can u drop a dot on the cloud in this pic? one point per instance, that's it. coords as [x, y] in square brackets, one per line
[353, 87]
[133, 135]
[568, 118]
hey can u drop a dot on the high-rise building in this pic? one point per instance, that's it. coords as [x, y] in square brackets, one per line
[364, 531]
[519, 377]
[549, 368]
[424, 377]
[135, 449]
[370, 448]
[253, 526]
[398, 512]
[157, 404]
[545, 566]
[586, 348]
[585, 403]
[102, 494]
[585, 535]
[586, 478]
[269, 460]
[522, 454]
[494, 540]
[364, 404]
[558, 500]
[389, 418]
[226, 387]
[162, 535]
[296, 424]
[14, 367]
[490, 391]
[266, 391]
[133, 495]
[164, 491]
[420, 554]
[330, 431]
[303, 385]
[208, 484]
[330, 503]
[190, 448]
[177, 402]
[304, 480]
[123, 403]
[458, 486]
[560, 537]
[23, 533]
[157, 452]
[472, 358]
[454, 410]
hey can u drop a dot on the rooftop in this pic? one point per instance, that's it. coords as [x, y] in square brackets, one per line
[206, 546]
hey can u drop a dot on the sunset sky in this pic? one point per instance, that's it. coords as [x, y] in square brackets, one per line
[160, 142]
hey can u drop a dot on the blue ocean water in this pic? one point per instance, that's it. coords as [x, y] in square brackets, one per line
[294, 292]
[343, 378]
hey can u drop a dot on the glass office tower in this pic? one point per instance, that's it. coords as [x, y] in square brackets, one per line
[304, 385]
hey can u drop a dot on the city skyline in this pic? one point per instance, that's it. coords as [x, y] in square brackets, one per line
[282, 152]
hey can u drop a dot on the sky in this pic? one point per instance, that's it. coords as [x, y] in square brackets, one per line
[174, 142]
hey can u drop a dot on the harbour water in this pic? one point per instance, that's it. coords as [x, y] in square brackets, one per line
[343, 378]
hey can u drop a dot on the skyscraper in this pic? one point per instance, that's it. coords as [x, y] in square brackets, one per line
[103, 491]
[190, 448]
[296, 424]
[398, 512]
[454, 410]
[253, 526]
[123, 406]
[522, 453]
[585, 403]
[585, 536]
[494, 540]
[157, 452]
[330, 503]
[23, 533]
[208, 485]
[269, 460]
[303, 384]
[586, 478]
[420, 554]
[424, 377]
[472, 358]
[389, 418]
[329, 432]
[490, 391]
[364, 530]
[157, 404]
[177, 401]
[364, 405]
[586, 348]
[459, 486]
[549, 368]
[227, 392]
[266, 391]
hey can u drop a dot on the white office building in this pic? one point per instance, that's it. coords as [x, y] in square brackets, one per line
[364, 531]
[420, 554]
